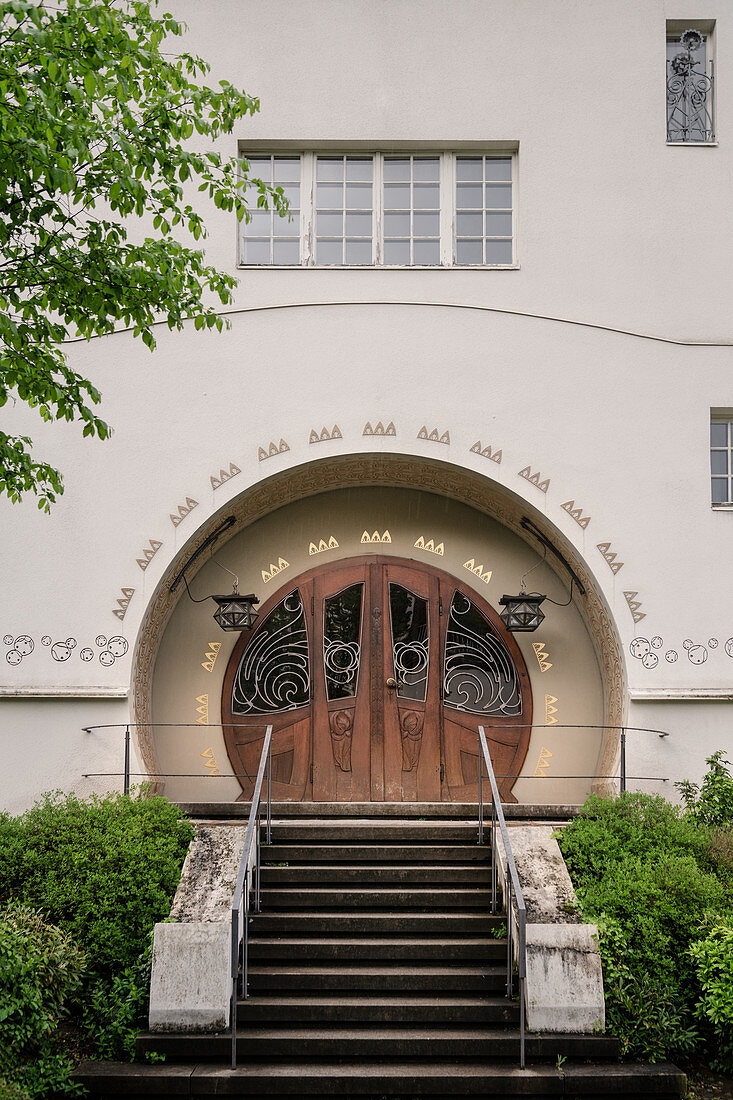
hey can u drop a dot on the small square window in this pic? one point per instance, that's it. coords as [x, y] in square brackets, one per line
[721, 458]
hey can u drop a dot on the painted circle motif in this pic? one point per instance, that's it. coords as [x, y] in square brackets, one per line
[8, 639]
[46, 639]
[71, 643]
[639, 648]
[713, 643]
[13, 657]
[100, 640]
[117, 646]
[106, 658]
[698, 654]
[687, 644]
[24, 645]
[60, 651]
[729, 647]
[657, 642]
[650, 660]
[86, 654]
[671, 656]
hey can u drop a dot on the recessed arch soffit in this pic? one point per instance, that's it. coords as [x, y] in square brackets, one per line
[395, 471]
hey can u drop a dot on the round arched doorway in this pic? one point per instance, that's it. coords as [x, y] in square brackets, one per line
[376, 673]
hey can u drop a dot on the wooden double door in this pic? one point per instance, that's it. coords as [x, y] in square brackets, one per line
[376, 673]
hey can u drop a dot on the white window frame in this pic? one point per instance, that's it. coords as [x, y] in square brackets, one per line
[722, 416]
[447, 159]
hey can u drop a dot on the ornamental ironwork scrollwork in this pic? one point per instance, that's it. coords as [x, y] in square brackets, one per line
[689, 92]
[478, 673]
[274, 672]
[411, 727]
[341, 725]
[410, 642]
[342, 616]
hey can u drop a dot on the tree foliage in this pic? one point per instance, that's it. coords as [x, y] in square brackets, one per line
[97, 190]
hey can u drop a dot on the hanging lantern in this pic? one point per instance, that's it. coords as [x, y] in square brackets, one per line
[522, 612]
[236, 612]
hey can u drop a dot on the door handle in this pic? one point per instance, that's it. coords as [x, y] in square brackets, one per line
[392, 684]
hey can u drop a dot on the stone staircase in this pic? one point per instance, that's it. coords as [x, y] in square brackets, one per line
[377, 970]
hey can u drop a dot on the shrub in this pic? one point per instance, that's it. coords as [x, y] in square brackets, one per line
[10, 1091]
[647, 872]
[104, 870]
[40, 971]
[713, 960]
[712, 802]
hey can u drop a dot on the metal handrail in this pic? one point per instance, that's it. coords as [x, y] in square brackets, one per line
[512, 885]
[240, 897]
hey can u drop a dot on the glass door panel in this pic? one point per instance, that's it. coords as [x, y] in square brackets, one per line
[342, 619]
[409, 621]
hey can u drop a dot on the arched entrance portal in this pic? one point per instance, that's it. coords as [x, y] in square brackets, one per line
[376, 673]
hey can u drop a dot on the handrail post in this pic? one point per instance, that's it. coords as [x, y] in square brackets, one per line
[522, 917]
[494, 859]
[269, 793]
[257, 865]
[509, 967]
[126, 788]
[235, 975]
[480, 796]
[245, 946]
[623, 760]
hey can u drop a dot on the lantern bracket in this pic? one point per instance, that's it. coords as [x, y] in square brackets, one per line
[224, 526]
[528, 525]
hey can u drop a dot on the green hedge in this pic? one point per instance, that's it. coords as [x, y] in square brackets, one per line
[41, 970]
[657, 880]
[103, 872]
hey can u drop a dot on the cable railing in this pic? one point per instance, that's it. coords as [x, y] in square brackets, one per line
[622, 778]
[249, 865]
[512, 888]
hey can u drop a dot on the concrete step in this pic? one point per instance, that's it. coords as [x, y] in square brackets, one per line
[314, 898]
[393, 1010]
[374, 923]
[396, 980]
[409, 854]
[376, 830]
[500, 1080]
[388, 1043]
[468, 811]
[437, 874]
[376, 949]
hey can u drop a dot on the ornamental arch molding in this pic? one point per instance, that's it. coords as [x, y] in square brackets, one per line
[396, 471]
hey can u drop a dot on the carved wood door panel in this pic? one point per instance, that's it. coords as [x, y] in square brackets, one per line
[376, 674]
[268, 681]
[485, 683]
[411, 661]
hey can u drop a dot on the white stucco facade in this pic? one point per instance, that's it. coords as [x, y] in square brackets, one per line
[590, 367]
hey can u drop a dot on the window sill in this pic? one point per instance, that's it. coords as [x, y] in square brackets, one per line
[727, 507]
[694, 144]
[377, 267]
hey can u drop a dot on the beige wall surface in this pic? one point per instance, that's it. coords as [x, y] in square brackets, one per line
[580, 382]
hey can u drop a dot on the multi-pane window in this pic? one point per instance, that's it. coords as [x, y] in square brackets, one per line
[483, 210]
[721, 458]
[411, 211]
[268, 238]
[344, 210]
[385, 210]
